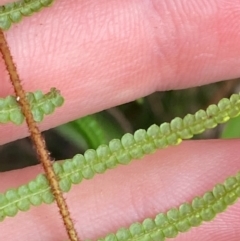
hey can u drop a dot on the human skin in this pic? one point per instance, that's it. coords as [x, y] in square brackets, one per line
[104, 53]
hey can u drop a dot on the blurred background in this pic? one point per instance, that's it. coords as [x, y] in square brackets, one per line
[89, 132]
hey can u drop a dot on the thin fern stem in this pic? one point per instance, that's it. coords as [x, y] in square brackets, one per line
[37, 139]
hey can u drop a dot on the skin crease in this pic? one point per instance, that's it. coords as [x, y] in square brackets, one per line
[119, 51]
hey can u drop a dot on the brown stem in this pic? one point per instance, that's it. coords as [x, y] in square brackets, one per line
[37, 139]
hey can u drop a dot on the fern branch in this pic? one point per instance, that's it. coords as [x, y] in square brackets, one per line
[183, 218]
[40, 105]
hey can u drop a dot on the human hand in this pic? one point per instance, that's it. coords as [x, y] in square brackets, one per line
[105, 53]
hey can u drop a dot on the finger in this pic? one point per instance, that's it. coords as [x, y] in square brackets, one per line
[131, 193]
[3, 2]
[102, 54]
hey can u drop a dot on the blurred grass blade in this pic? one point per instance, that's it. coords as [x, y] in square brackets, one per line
[91, 131]
[232, 128]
